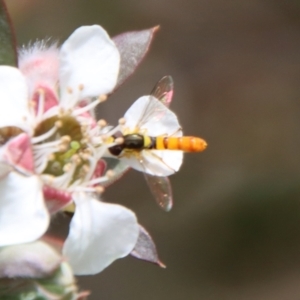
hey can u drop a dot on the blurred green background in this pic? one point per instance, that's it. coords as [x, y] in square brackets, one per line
[234, 232]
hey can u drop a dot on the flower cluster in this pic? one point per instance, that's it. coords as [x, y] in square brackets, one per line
[55, 155]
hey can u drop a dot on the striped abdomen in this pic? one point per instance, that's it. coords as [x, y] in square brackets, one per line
[184, 143]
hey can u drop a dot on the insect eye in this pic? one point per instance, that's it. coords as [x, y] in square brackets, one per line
[116, 150]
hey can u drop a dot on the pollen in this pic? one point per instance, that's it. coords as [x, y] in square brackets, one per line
[69, 90]
[102, 98]
[85, 169]
[99, 189]
[84, 156]
[49, 179]
[41, 91]
[58, 124]
[119, 140]
[84, 140]
[62, 147]
[32, 104]
[122, 121]
[110, 174]
[65, 139]
[87, 151]
[84, 127]
[51, 157]
[76, 159]
[102, 123]
[104, 137]
[81, 87]
[67, 167]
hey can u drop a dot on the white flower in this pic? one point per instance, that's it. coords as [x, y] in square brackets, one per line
[24, 216]
[99, 234]
[148, 116]
[51, 99]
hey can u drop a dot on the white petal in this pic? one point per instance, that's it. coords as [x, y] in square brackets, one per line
[14, 109]
[170, 158]
[152, 115]
[156, 162]
[99, 234]
[90, 60]
[24, 217]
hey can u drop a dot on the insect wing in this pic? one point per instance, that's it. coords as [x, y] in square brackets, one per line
[161, 190]
[159, 186]
[153, 112]
[163, 90]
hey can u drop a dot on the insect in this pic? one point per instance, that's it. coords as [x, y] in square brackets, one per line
[152, 141]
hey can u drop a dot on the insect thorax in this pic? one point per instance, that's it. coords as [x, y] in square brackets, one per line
[133, 142]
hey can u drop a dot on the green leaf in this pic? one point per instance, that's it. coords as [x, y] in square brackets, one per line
[8, 52]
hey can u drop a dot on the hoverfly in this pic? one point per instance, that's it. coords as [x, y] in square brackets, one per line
[153, 142]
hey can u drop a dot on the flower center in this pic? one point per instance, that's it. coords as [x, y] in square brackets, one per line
[66, 150]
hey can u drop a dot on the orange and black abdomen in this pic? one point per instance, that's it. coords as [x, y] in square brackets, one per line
[183, 143]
